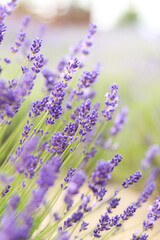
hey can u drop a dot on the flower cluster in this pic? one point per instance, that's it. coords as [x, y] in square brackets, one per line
[101, 175]
[133, 179]
[111, 102]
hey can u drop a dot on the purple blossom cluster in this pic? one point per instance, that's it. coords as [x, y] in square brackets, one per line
[50, 79]
[153, 215]
[21, 36]
[113, 203]
[13, 227]
[101, 175]
[128, 212]
[58, 142]
[119, 121]
[90, 154]
[86, 80]
[105, 224]
[13, 94]
[70, 174]
[5, 10]
[86, 117]
[73, 188]
[142, 236]
[28, 162]
[51, 104]
[133, 179]
[111, 102]
[145, 194]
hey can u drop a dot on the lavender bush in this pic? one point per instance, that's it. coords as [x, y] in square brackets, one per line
[50, 178]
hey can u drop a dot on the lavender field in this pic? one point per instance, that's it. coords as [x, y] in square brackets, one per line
[79, 131]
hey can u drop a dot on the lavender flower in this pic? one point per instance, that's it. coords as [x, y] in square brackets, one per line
[113, 203]
[35, 159]
[76, 182]
[7, 61]
[150, 156]
[153, 215]
[12, 229]
[119, 121]
[145, 194]
[58, 142]
[61, 65]
[50, 79]
[83, 226]
[70, 174]
[86, 117]
[142, 236]
[76, 217]
[36, 45]
[28, 162]
[70, 68]
[3, 28]
[46, 179]
[63, 236]
[90, 154]
[86, 79]
[153, 175]
[100, 176]
[102, 173]
[111, 102]
[6, 190]
[5, 10]
[21, 36]
[133, 179]
[38, 63]
[92, 30]
[105, 224]
[129, 212]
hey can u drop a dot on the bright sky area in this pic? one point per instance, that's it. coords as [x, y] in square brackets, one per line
[105, 12]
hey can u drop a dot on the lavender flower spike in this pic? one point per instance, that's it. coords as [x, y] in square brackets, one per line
[130, 210]
[111, 102]
[153, 215]
[101, 175]
[76, 182]
[143, 236]
[35, 48]
[149, 156]
[145, 194]
[119, 121]
[133, 179]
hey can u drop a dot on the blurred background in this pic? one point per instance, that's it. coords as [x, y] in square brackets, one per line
[127, 45]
